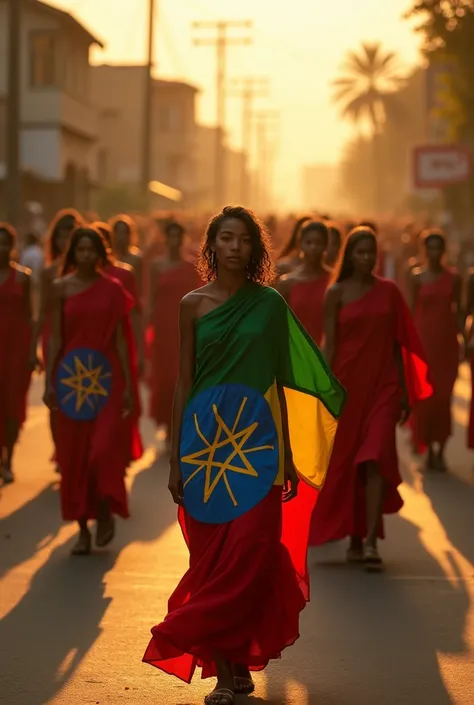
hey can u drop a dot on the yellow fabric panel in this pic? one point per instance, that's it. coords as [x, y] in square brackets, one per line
[272, 398]
[312, 431]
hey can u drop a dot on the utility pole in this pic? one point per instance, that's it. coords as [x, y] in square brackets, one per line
[13, 175]
[221, 42]
[266, 150]
[250, 87]
[148, 104]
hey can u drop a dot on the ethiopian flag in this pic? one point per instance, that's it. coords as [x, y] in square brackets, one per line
[250, 351]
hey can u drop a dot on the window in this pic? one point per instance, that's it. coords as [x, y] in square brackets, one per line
[43, 52]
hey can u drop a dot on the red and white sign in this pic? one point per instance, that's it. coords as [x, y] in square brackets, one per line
[437, 166]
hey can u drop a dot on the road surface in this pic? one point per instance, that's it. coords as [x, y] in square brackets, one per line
[73, 630]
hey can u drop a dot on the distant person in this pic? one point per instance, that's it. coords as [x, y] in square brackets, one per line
[373, 348]
[334, 244]
[125, 274]
[32, 257]
[435, 300]
[92, 391]
[125, 246]
[289, 257]
[305, 287]
[170, 280]
[16, 362]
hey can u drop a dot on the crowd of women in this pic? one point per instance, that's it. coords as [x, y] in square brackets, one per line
[274, 445]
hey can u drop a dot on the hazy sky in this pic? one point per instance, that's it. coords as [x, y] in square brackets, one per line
[299, 45]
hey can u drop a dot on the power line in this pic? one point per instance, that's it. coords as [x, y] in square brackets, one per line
[221, 41]
[248, 88]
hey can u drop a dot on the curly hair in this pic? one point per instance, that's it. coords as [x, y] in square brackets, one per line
[260, 268]
[345, 268]
[98, 241]
[10, 231]
[66, 218]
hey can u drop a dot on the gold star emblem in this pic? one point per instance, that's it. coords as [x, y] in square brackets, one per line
[85, 383]
[236, 440]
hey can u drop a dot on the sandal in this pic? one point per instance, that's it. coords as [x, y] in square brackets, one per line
[82, 547]
[8, 476]
[105, 532]
[372, 558]
[243, 686]
[354, 555]
[220, 696]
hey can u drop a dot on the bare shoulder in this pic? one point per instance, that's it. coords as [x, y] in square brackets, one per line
[50, 272]
[22, 273]
[123, 265]
[334, 292]
[136, 254]
[285, 283]
[193, 299]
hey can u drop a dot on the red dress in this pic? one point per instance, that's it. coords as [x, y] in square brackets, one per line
[172, 285]
[367, 331]
[129, 282]
[15, 341]
[306, 300]
[435, 320]
[93, 455]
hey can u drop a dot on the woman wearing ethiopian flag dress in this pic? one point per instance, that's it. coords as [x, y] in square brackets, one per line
[255, 409]
[91, 383]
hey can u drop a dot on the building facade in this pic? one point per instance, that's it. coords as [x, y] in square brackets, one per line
[58, 123]
[119, 93]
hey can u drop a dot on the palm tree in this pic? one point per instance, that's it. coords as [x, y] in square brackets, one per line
[368, 85]
[367, 92]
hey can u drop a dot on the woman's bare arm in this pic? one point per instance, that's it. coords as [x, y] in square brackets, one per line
[331, 309]
[187, 316]
[55, 341]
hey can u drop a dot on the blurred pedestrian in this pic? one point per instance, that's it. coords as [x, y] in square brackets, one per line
[16, 361]
[435, 299]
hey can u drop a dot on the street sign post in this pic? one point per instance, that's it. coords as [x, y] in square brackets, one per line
[437, 166]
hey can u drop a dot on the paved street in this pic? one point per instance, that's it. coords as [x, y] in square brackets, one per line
[74, 630]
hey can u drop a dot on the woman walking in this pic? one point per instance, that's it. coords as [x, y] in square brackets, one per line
[171, 279]
[254, 405]
[436, 304]
[90, 385]
[372, 346]
[16, 360]
[305, 287]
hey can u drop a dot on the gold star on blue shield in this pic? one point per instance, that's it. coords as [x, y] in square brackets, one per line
[238, 461]
[84, 381]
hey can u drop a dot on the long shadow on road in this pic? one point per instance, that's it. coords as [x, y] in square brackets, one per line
[375, 638]
[453, 501]
[35, 524]
[46, 636]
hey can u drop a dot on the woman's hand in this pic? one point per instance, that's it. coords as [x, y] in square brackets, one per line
[175, 484]
[34, 363]
[290, 487]
[127, 403]
[405, 410]
[49, 398]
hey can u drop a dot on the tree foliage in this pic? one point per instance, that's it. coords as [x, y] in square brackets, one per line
[448, 31]
[369, 79]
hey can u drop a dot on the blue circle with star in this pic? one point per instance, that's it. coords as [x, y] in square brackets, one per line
[83, 383]
[229, 452]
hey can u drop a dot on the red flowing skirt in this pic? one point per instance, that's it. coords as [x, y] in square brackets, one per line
[241, 596]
